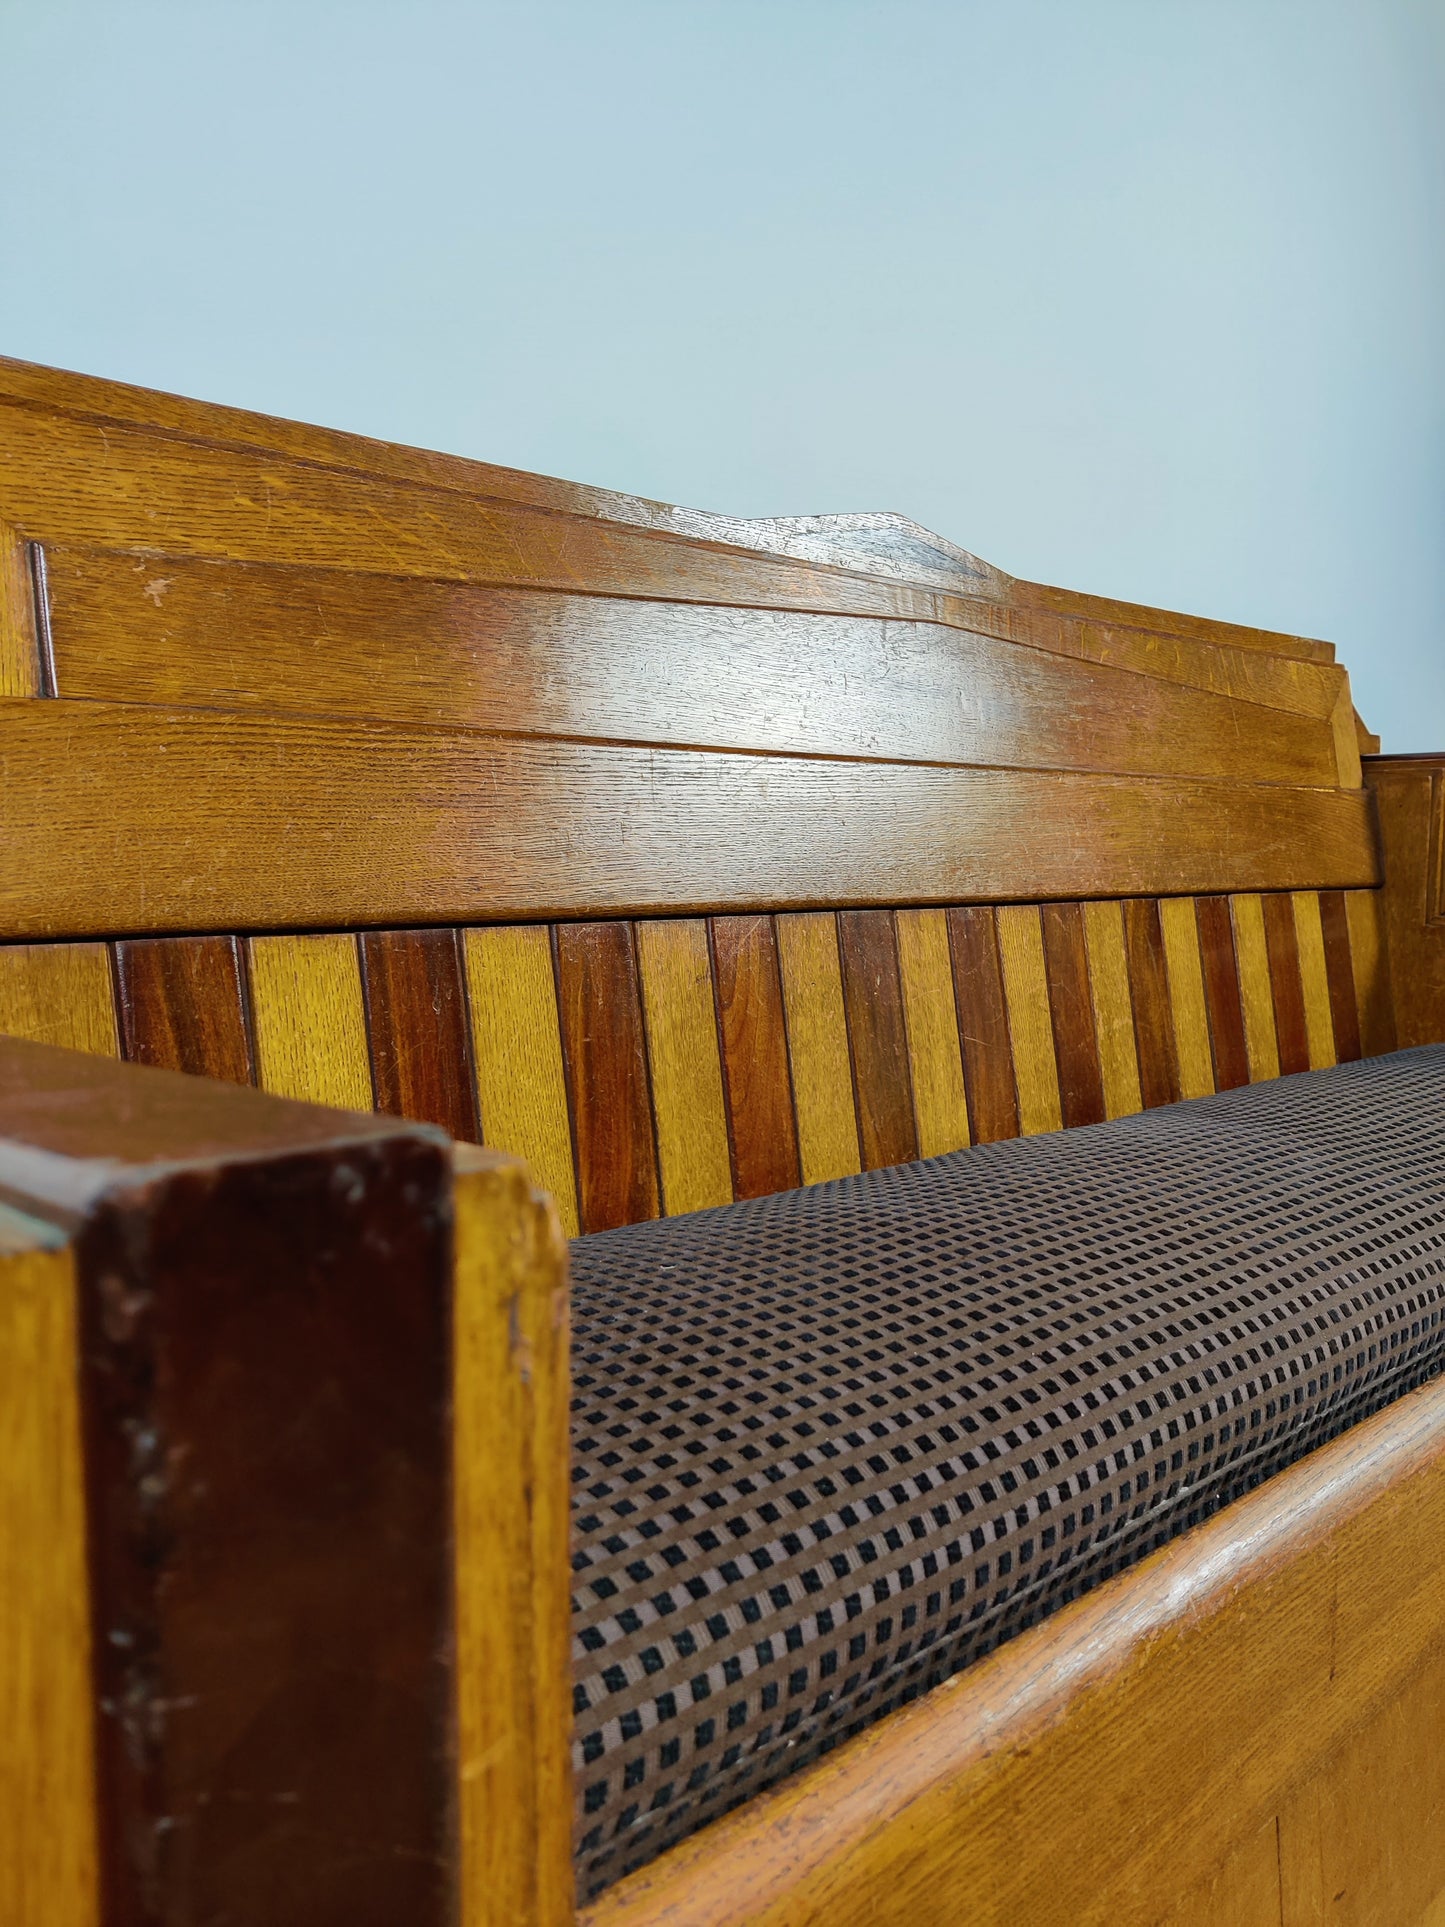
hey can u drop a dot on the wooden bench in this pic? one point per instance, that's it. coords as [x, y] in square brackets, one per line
[675, 860]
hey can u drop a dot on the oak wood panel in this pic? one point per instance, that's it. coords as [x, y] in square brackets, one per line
[49, 1876]
[1071, 1010]
[1251, 950]
[1102, 1764]
[416, 1020]
[1344, 1013]
[201, 634]
[605, 1055]
[517, 1052]
[1108, 964]
[309, 1017]
[940, 1101]
[20, 663]
[1370, 966]
[1170, 621]
[315, 825]
[59, 993]
[1284, 977]
[1153, 1015]
[1314, 978]
[818, 1046]
[1343, 721]
[983, 1025]
[762, 1132]
[1410, 794]
[513, 1582]
[877, 1037]
[183, 1005]
[1031, 1037]
[1180, 929]
[1222, 994]
[685, 1064]
[1244, 1892]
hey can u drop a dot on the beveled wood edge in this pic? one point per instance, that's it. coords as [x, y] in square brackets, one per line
[774, 1859]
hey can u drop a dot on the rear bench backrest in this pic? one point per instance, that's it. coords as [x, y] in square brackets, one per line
[687, 872]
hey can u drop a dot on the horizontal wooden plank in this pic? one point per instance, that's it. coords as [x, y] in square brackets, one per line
[122, 821]
[1042, 595]
[128, 629]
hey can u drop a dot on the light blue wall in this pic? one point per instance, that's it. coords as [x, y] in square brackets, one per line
[1140, 296]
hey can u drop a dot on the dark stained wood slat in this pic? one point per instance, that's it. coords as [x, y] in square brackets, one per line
[988, 1073]
[877, 1037]
[1076, 1046]
[1221, 993]
[605, 1056]
[1344, 1011]
[762, 1130]
[183, 1006]
[416, 1020]
[1285, 984]
[1153, 1015]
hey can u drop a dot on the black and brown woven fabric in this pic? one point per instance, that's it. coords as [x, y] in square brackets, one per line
[833, 1445]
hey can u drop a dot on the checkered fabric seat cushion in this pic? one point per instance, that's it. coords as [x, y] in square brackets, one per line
[831, 1446]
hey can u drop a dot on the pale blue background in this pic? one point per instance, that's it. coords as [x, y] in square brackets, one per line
[1140, 296]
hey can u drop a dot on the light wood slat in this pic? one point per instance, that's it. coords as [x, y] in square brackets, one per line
[517, 1044]
[143, 820]
[310, 1020]
[1347, 742]
[940, 1105]
[1244, 1892]
[1255, 992]
[59, 993]
[1113, 1008]
[818, 1046]
[1314, 979]
[459, 656]
[1031, 1031]
[19, 645]
[48, 1850]
[685, 1068]
[1371, 969]
[1186, 996]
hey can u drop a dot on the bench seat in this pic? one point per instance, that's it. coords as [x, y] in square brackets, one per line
[833, 1445]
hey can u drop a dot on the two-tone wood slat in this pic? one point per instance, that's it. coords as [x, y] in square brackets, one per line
[664, 1065]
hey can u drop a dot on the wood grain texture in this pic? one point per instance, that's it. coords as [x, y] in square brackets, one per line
[1031, 1037]
[1314, 979]
[1180, 930]
[1284, 977]
[1410, 794]
[762, 1132]
[940, 1101]
[510, 1460]
[49, 1876]
[309, 1017]
[311, 824]
[1244, 1892]
[1153, 1016]
[605, 1055]
[1071, 1010]
[517, 1051]
[818, 1046]
[416, 1022]
[20, 662]
[1344, 1013]
[1343, 725]
[1222, 994]
[983, 1025]
[1103, 1764]
[1256, 996]
[684, 1064]
[877, 1037]
[1370, 966]
[1108, 959]
[59, 993]
[183, 1006]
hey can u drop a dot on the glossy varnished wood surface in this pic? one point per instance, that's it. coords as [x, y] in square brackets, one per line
[1410, 791]
[183, 1006]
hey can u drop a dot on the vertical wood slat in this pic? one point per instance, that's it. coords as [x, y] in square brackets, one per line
[1108, 961]
[818, 1045]
[983, 1027]
[1251, 950]
[1371, 970]
[183, 1006]
[1284, 981]
[1180, 928]
[1314, 979]
[416, 1021]
[20, 669]
[1031, 1031]
[604, 1054]
[683, 1058]
[49, 1859]
[762, 1132]
[1153, 1018]
[309, 1019]
[1071, 1009]
[1222, 993]
[877, 1037]
[1344, 1011]
[59, 993]
[517, 1054]
[925, 968]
